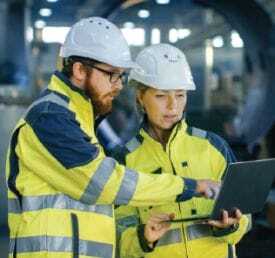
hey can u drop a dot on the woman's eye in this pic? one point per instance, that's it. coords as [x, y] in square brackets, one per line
[180, 96]
[160, 95]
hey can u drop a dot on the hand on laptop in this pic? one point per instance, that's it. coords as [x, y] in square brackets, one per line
[208, 188]
[226, 220]
[157, 226]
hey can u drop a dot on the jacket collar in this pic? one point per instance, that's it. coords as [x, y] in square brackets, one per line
[62, 84]
[181, 126]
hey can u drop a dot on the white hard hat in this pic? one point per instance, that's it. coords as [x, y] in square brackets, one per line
[163, 67]
[98, 39]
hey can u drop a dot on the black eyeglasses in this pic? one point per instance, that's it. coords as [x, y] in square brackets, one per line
[113, 76]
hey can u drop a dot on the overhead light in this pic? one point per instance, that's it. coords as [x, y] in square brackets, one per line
[29, 34]
[163, 1]
[143, 13]
[183, 33]
[173, 35]
[52, 1]
[209, 55]
[236, 40]
[45, 12]
[176, 34]
[39, 24]
[129, 25]
[155, 36]
[217, 41]
[134, 37]
[51, 34]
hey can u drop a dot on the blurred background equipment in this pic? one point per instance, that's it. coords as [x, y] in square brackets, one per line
[230, 45]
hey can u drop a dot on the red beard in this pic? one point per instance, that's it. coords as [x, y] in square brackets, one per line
[100, 106]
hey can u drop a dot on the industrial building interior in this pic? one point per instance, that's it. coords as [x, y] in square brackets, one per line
[230, 45]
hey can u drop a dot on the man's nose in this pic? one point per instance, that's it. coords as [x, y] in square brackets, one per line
[118, 85]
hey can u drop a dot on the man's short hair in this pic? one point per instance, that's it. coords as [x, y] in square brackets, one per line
[68, 62]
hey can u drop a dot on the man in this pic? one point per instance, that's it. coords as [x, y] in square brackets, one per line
[62, 187]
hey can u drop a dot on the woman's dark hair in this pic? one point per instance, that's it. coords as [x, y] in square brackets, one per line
[68, 62]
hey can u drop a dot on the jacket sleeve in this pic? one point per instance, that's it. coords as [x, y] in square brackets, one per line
[127, 221]
[57, 150]
[234, 234]
[221, 155]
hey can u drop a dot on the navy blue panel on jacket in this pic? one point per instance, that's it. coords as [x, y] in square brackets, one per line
[59, 131]
[222, 146]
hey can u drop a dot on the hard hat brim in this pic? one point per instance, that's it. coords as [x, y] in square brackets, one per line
[160, 85]
[125, 64]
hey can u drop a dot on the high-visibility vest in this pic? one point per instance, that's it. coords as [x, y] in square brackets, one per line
[62, 187]
[190, 152]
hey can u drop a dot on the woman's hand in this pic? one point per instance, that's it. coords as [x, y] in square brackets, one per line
[156, 227]
[226, 221]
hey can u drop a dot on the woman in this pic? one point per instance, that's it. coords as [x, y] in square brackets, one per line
[166, 143]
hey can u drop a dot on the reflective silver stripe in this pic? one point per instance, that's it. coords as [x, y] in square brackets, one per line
[127, 187]
[61, 201]
[50, 98]
[128, 221]
[98, 181]
[132, 144]
[196, 231]
[60, 244]
[249, 225]
[14, 206]
[171, 237]
[231, 251]
[124, 223]
[198, 132]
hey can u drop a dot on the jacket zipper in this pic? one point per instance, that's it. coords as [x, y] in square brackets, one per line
[75, 235]
[14, 250]
[174, 172]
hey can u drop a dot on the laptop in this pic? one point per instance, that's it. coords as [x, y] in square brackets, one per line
[245, 186]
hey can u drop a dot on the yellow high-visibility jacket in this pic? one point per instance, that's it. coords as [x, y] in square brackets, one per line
[62, 187]
[193, 153]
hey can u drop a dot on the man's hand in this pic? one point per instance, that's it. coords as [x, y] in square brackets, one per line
[156, 227]
[226, 221]
[208, 188]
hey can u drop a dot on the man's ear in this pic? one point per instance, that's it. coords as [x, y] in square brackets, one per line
[79, 72]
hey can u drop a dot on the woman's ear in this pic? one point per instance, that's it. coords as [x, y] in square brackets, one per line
[140, 98]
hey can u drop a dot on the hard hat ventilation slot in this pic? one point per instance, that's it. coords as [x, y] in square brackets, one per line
[172, 59]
